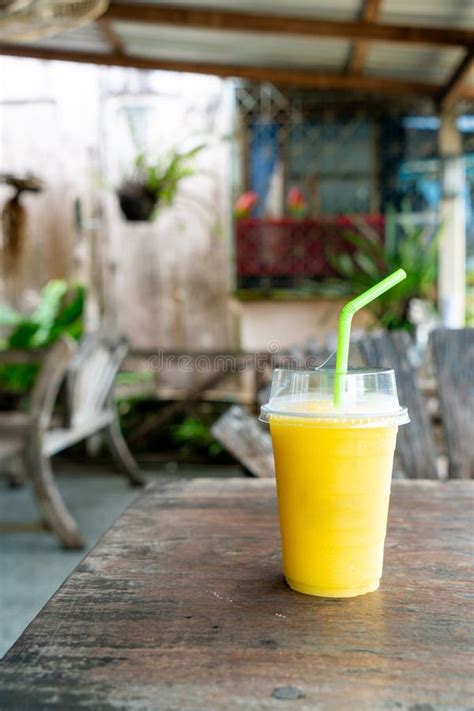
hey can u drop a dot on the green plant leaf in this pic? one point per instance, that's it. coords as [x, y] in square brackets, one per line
[8, 316]
[414, 248]
[18, 378]
[47, 310]
[194, 151]
[60, 311]
[363, 243]
[367, 265]
[161, 179]
[23, 335]
[341, 263]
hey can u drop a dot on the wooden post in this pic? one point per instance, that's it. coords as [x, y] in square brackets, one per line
[452, 249]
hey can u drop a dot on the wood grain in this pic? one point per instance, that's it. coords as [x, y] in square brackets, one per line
[182, 606]
[219, 20]
[415, 444]
[369, 13]
[453, 353]
[241, 435]
[109, 35]
[448, 94]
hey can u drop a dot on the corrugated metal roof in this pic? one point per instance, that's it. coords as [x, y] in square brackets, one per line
[409, 62]
[442, 13]
[83, 39]
[334, 9]
[242, 48]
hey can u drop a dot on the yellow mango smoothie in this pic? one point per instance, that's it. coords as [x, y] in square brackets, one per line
[333, 475]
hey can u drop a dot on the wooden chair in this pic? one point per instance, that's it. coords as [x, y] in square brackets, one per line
[241, 435]
[90, 373]
[415, 444]
[91, 406]
[22, 434]
[453, 355]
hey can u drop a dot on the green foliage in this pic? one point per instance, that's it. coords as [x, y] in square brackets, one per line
[59, 312]
[194, 434]
[8, 316]
[130, 377]
[367, 261]
[161, 179]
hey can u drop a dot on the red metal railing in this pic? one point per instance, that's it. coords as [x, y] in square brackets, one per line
[283, 252]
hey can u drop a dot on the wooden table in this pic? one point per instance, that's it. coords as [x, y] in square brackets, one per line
[182, 606]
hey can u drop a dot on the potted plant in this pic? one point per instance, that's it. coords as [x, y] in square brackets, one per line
[366, 260]
[60, 312]
[14, 219]
[244, 205]
[154, 184]
[296, 204]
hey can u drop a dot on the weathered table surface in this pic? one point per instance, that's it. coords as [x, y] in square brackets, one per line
[182, 606]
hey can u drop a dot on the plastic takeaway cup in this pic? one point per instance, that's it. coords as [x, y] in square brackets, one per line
[333, 472]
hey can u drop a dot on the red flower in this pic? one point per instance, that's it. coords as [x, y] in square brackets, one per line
[245, 204]
[296, 203]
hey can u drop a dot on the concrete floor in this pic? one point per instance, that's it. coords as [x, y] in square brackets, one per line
[32, 564]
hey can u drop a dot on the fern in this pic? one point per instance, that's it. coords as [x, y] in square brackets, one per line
[59, 312]
[364, 262]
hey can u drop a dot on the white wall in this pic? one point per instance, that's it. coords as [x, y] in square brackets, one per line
[166, 283]
[277, 325]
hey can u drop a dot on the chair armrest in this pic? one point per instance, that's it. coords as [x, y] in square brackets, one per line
[15, 423]
[16, 356]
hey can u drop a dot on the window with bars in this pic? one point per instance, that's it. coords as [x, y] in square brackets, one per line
[288, 142]
[351, 160]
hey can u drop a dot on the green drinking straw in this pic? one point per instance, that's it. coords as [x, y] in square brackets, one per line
[344, 327]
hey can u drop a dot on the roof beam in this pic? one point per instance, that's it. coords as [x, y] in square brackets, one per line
[110, 36]
[285, 77]
[451, 91]
[369, 13]
[288, 25]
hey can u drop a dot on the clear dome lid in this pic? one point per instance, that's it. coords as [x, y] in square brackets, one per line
[307, 396]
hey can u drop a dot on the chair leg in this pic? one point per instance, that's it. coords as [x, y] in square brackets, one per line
[16, 476]
[121, 454]
[14, 480]
[50, 501]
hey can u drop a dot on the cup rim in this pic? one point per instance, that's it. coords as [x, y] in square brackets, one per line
[276, 409]
[399, 416]
[333, 371]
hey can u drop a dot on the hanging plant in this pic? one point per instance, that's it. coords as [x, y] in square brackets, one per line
[14, 219]
[153, 185]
